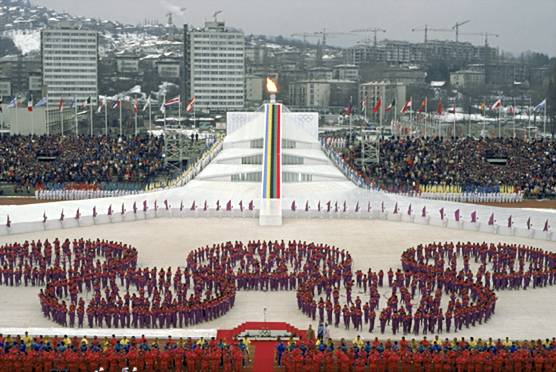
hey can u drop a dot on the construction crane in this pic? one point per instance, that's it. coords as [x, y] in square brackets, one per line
[426, 29]
[321, 34]
[457, 26]
[305, 35]
[373, 30]
[170, 16]
[215, 15]
[483, 34]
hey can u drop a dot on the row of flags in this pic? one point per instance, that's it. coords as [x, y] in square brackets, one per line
[16, 101]
[408, 105]
[457, 213]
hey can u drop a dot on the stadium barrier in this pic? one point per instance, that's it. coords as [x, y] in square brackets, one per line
[487, 222]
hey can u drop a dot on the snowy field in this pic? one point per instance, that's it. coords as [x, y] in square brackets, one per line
[372, 243]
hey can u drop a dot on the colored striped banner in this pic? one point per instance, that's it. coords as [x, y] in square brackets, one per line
[272, 158]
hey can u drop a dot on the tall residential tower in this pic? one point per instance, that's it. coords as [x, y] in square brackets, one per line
[214, 64]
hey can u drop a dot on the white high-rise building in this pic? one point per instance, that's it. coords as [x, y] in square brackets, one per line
[69, 64]
[214, 67]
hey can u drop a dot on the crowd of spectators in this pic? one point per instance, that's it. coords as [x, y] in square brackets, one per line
[473, 164]
[43, 353]
[35, 161]
[417, 355]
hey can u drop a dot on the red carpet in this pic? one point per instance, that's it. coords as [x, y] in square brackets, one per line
[264, 356]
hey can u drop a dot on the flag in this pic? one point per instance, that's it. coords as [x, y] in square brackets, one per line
[147, 104]
[135, 105]
[44, 218]
[61, 105]
[424, 105]
[496, 105]
[482, 107]
[77, 214]
[101, 105]
[74, 102]
[439, 107]
[364, 105]
[473, 217]
[377, 105]
[30, 105]
[87, 102]
[457, 215]
[406, 107]
[491, 220]
[441, 213]
[173, 101]
[546, 226]
[510, 223]
[94, 212]
[117, 104]
[293, 206]
[190, 105]
[13, 103]
[540, 106]
[42, 102]
[391, 106]
[162, 106]
[529, 223]
[424, 212]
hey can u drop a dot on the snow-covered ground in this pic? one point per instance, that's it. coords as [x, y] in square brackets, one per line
[25, 41]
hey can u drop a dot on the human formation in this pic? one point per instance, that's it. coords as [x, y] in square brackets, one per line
[468, 164]
[83, 162]
[457, 354]
[43, 353]
[441, 287]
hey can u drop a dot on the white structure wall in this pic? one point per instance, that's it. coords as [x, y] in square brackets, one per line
[70, 64]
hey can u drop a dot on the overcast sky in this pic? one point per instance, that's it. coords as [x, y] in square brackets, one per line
[522, 25]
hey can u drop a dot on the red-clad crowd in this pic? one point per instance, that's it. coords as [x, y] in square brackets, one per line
[459, 355]
[37, 354]
[98, 284]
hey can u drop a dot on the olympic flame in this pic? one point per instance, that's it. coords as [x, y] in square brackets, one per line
[271, 86]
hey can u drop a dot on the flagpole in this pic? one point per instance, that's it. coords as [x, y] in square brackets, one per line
[46, 116]
[32, 121]
[121, 129]
[395, 116]
[62, 120]
[544, 120]
[411, 116]
[135, 121]
[76, 122]
[105, 116]
[499, 124]
[179, 113]
[91, 113]
[454, 127]
[426, 112]
[16, 115]
[150, 116]
[513, 112]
